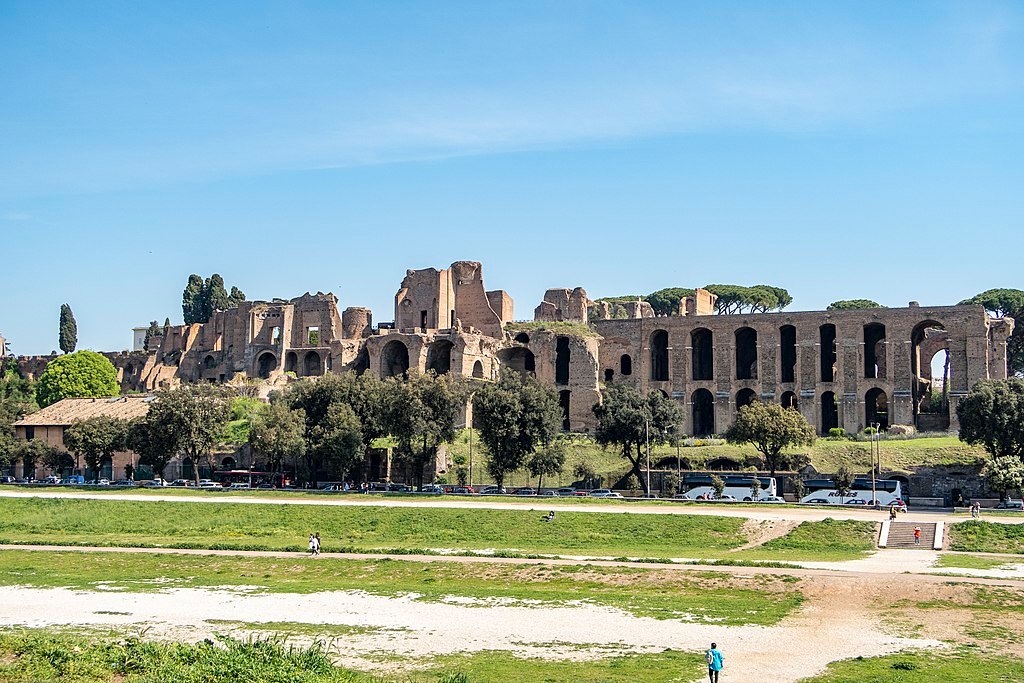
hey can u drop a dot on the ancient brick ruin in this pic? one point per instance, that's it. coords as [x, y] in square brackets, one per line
[841, 369]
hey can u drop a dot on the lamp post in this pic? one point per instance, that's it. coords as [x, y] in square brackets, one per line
[873, 450]
[647, 438]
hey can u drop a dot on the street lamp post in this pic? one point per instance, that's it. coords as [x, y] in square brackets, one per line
[647, 438]
[874, 451]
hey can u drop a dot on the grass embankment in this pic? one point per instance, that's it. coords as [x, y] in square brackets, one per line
[668, 593]
[923, 667]
[987, 537]
[34, 656]
[958, 561]
[358, 528]
[824, 541]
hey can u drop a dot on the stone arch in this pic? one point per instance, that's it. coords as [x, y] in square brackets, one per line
[210, 362]
[876, 408]
[874, 351]
[789, 400]
[723, 464]
[829, 412]
[439, 356]
[827, 350]
[312, 365]
[518, 358]
[291, 362]
[744, 397]
[787, 353]
[478, 370]
[626, 365]
[746, 353]
[659, 356]
[266, 363]
[930, 394]
[394, 359]
[228, 463]
[702, 358]
[562, 358]
[703, 412]
[522, 338]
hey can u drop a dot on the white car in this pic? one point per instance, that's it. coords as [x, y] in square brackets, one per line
[237, 486]
[604, 493]
[209, 484]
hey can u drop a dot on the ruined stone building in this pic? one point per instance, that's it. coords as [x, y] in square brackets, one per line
[840, 369]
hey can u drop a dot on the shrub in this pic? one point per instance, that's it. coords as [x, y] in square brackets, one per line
[837, 433]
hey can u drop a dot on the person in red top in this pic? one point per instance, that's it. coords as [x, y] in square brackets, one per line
[917, 535]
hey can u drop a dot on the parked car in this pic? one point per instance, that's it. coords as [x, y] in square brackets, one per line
[525, 491]
[210, 485]
[463, 490]
[155, 484]
[123, 483]
[400, 488]
[769, 499]
[52, 479]
[182, 483]
[550, 493]
[817, 501]
[493, 491]
[1010, 504]
[604, 493]
[431, 488]
[566, 491]
[856, 501]
[239, 486]
[101, 482]
[6, 480]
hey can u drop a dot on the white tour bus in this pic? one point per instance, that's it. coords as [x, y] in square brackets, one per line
[823, 492]
[698, 487]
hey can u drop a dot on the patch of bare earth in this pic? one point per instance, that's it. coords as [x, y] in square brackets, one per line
[759, 532]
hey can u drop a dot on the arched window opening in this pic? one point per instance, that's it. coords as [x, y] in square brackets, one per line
[829, 412]
[522, 338]
[210, 362]
[478, 370]
[702, 355]
[608, 374]
[518, 358]
[876, 409]
[439, 356]
[564, 398]
[789, 400]
[874, 351]
[787, 353]
[659, 356]
[703, 412]
[394, 359]
[265, 365]
[626, 365]
[746, 353]
[829, 358]
[562, 360]
[744, 397]
[311, 365]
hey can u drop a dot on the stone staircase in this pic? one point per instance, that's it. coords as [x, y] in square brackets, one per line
[901, 535]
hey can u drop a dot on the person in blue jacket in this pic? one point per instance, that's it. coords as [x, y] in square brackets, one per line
[715, 662]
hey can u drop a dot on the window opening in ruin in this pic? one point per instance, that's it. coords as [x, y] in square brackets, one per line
[275, 335]
[787, 353]
[562, 360]
[451, 318]
[518, 358]
[744, 397]
[876, 408]
[291, 362]
[874, 351]
[723, 465]
[626, 364]
[829, 412]
[439, 356]
[703, 412]
[313, 335]
[362, 363]
[703, 355]
[478, 370]
[789, 400]
[563, 401]
[930, 368]
[746, 353]
[608, 374]
[423, 320]
[394, 359]
[522, 338]
[827, 349]
[30, 433]
[228, 463]
[265, 365]
[210, 362]
[311, 365]
[659, 356]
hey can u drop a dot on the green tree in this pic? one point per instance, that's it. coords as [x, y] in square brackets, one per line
[799, 488]
[96, 439]
[757, 299]
[277, 433]
[992, 416]
[755, 487]
[30, 453]
[154, 440]
[335, 443]
[514, 416]
[666, 301]
[152, 331]
[236, 297]
[547, 461]
[626, 419]
[770, 428]
[853, 304]
[1004, 474]
[718, 485]
[192, 300]
[215, 296]
[68, 329]
[82, 374]
[843, 480]
[58, 461]
[422, 413]
[192, 418]
[1006, 302]
[583, 471]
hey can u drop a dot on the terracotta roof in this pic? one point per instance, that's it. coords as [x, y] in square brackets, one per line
[68, 410]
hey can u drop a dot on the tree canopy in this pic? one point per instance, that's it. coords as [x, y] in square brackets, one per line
[1004, 474]
[188, 421]
[202, 297]
[421, 414]
[756, 299]
[68, 334]
[666, 301]
[96, 439]
[514, 416]
[1006, 302]
[770, 428]
[277, 433]
[82, 374]
[992, 416]
[853, 304]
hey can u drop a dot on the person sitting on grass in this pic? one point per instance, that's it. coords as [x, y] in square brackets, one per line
[550, 517]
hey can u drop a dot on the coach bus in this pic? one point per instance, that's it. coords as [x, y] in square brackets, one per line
[823, 492]
[698, 487]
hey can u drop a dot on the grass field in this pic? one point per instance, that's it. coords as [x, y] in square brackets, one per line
[827, 540]
[964, 666]
[987, 537]
[659, 593]
[956, 560]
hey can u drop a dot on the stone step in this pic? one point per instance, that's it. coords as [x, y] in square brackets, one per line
[901, 535]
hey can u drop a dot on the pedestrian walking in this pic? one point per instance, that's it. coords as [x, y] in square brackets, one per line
[892, 512]
[312, 545]
[316, 544]
[715, 662]
[917, 535]
[975, 510]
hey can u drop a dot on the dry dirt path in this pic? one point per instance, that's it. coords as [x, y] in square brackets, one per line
[768, 513]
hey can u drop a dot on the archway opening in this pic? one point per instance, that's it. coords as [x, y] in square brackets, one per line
[723, 464]
[311, 365]
[478, 370]
[266, 364]
[564, 399]
[394, 359]
[929, 364]
[291, 362]
[609, 374]
[228, 463]
[626, 365]
[562, 355]
[744, 397]
[829, 412]
[876, 408]
[518, 358]
[439, 356]
[787, 353]
[659, 356]
[210, 362]
[746, 353]
[702, 356]
[522, 338]
[829, 357]
[874, 351]
[789, 400]
[703, 412]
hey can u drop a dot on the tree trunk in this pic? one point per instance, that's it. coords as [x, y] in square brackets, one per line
[636, 467]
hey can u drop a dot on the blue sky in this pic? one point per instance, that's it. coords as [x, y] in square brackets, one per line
[840, 150]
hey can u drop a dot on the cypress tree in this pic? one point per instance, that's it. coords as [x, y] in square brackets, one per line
[236, 297]
[191, 300]
[68, 330]
[167, 327]
[215, 296]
